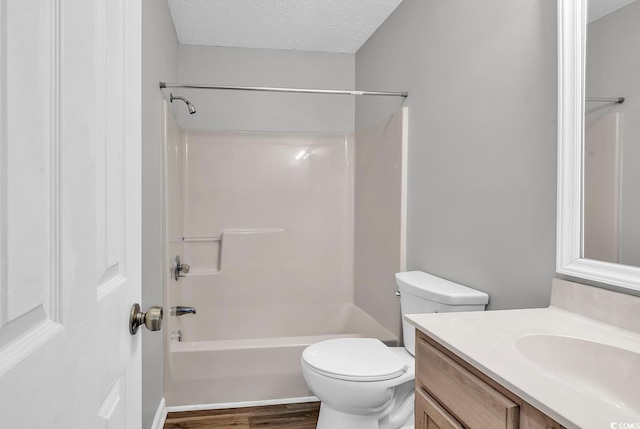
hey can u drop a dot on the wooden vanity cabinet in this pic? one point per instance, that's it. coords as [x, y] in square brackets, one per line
[451, 394]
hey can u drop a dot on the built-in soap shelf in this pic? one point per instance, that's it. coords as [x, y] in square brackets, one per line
[203, 254]
[206, 254]
[201, 239]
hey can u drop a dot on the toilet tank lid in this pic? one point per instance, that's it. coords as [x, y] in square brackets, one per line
[439, 290]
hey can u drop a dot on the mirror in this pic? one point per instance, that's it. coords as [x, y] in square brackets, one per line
[611, 177]
[598, 153]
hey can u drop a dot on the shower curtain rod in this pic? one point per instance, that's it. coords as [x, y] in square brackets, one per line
[617, 100]
[294, 90]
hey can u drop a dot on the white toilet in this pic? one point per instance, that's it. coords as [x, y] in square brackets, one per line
[363, 384]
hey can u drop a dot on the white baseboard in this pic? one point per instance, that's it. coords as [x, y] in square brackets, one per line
[161, 416]
[201, 407]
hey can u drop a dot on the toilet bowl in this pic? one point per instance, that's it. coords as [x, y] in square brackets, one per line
[362, 383]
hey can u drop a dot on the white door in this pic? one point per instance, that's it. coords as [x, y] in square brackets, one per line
[69, 213]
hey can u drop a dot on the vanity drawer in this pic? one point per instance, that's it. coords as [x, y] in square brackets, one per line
[470, 400]
[430, 415]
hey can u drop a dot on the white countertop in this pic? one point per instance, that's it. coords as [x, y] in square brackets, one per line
[487, 341]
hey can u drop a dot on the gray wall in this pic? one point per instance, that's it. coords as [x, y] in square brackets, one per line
[159, 62]
[613, 67]
[233, 110]
[482, 138]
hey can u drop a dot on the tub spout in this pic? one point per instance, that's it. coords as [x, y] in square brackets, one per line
[180, 310]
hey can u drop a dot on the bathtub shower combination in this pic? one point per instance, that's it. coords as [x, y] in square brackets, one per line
[271, 230]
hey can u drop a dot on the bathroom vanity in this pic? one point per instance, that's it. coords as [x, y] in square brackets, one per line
[575, 364]
[446, 382]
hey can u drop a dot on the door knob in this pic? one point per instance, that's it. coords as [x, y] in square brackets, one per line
[152, 319]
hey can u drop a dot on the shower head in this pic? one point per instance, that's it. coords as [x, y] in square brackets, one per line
[190, 106]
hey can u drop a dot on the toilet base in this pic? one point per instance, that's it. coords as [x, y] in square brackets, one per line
[332, 419]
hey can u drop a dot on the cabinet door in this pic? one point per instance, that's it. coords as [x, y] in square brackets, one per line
[430, 415]
[474, 403]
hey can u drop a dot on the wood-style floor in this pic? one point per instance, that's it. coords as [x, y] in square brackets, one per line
[290, 416]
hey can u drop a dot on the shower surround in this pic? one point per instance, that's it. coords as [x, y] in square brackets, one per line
[266, 223]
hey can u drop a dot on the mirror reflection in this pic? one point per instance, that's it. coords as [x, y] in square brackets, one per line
[611, 212]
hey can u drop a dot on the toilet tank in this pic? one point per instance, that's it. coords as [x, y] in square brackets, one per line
[424, 293]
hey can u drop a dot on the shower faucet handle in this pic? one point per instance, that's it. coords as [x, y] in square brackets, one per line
[183, 268]
[178, 268]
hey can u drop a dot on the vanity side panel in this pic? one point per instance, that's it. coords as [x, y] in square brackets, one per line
[532, 418]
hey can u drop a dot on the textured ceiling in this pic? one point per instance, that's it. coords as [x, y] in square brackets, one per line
[599, 8]
[306, 25]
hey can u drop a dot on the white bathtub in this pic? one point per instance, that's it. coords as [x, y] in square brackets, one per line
[205, 371]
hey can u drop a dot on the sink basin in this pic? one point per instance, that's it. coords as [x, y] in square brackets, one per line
[610, 373]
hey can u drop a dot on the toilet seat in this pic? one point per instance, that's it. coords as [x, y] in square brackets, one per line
[354, 359]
